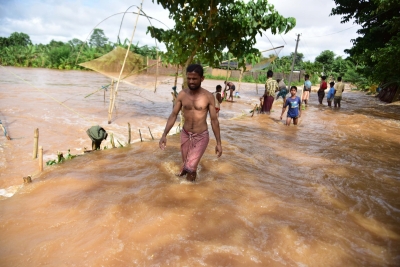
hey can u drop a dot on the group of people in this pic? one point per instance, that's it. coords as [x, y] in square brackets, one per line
[196, 102]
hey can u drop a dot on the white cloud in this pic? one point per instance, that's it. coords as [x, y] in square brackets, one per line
[44, 20]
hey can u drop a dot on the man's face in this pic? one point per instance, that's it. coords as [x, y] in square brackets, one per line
[293, 92]
[194, 80]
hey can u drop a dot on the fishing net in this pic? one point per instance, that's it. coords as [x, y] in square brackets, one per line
[111, 63]
[268, 57]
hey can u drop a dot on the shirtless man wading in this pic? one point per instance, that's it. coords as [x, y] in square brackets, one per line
[196, 103]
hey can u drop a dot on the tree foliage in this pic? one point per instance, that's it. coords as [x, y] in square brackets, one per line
[98, 38]
[378, 44]
[205, 28]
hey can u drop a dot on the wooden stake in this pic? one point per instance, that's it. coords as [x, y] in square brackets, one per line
[254, 110]
[129, 133]
[141, 140]
[40, 158]
[35, 143]
[150, 133]
[111, 101]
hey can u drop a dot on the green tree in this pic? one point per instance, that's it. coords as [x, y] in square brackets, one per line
[326, 59]
[19, 39]
[206, 28]
[98, 38]
[379, 35]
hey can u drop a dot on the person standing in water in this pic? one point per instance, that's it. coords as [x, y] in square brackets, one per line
[282, 90]
[307, 89]
[294, 104]
[196, 103]
[339, 88]
[271, 86]
[231, 87]
[217, 99]
[330, 94]
[321, 90]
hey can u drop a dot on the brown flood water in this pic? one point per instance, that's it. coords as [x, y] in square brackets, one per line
[324, 193]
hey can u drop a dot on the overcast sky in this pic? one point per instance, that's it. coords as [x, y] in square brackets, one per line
[63, 20]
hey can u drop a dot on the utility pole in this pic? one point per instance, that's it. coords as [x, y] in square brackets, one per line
[294, 58]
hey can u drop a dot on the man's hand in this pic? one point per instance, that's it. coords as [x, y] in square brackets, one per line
[218, 150]
[281, 117]
[163, 142]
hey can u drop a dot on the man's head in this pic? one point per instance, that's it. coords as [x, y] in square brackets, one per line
[332, 84]
[307, 76]
[293, 90]
[194, 76]
[270, 74]
[278, 80]
[339, 79]
[218, 88]
[323, 78]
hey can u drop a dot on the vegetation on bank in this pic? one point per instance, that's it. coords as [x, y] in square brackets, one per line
[372, 62]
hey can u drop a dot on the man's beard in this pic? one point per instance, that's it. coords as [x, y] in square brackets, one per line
[194, 89]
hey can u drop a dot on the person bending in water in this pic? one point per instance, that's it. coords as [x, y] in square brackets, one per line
[231, 87]
[196, 103]
[294, 104]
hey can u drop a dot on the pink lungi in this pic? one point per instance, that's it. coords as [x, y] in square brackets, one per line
[193, 146]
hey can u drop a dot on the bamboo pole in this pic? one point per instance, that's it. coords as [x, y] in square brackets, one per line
[35, 143]
[40, 158]
[150, 133]
[141, 140]
[155, 83]
[129, 133]
[111, 101]
[240, 78]
[254, 110]
[5, 131]
[176, 75]
[123, 64]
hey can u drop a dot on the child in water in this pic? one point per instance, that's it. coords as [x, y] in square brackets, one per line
[331, 94]
[294, 103]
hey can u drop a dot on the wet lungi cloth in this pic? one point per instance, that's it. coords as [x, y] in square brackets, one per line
[267, 105]
[193, 146]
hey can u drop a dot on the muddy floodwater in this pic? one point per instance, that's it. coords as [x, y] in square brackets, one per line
[323, 193]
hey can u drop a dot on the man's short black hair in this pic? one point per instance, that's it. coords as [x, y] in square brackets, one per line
[218, 87]
[332, 84]
[307, 76]
[293, 87]
[270, 73]
[323, 77]
[339, 79]
[195, 68]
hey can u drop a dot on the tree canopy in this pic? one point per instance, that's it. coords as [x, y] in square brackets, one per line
[378, 46]
[203, 29]
[98, 38]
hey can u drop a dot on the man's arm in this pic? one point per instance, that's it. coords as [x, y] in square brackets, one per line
[215, 124]
[171, 120]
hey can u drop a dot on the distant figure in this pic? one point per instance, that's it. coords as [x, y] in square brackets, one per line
[271, 86]
[339, 88]
[330, 94]
[282, 90]
[231, 87]
[307, 89]
[321, 91]
[196, 103]
[217, 98]
[294, 104]
[97, 134]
